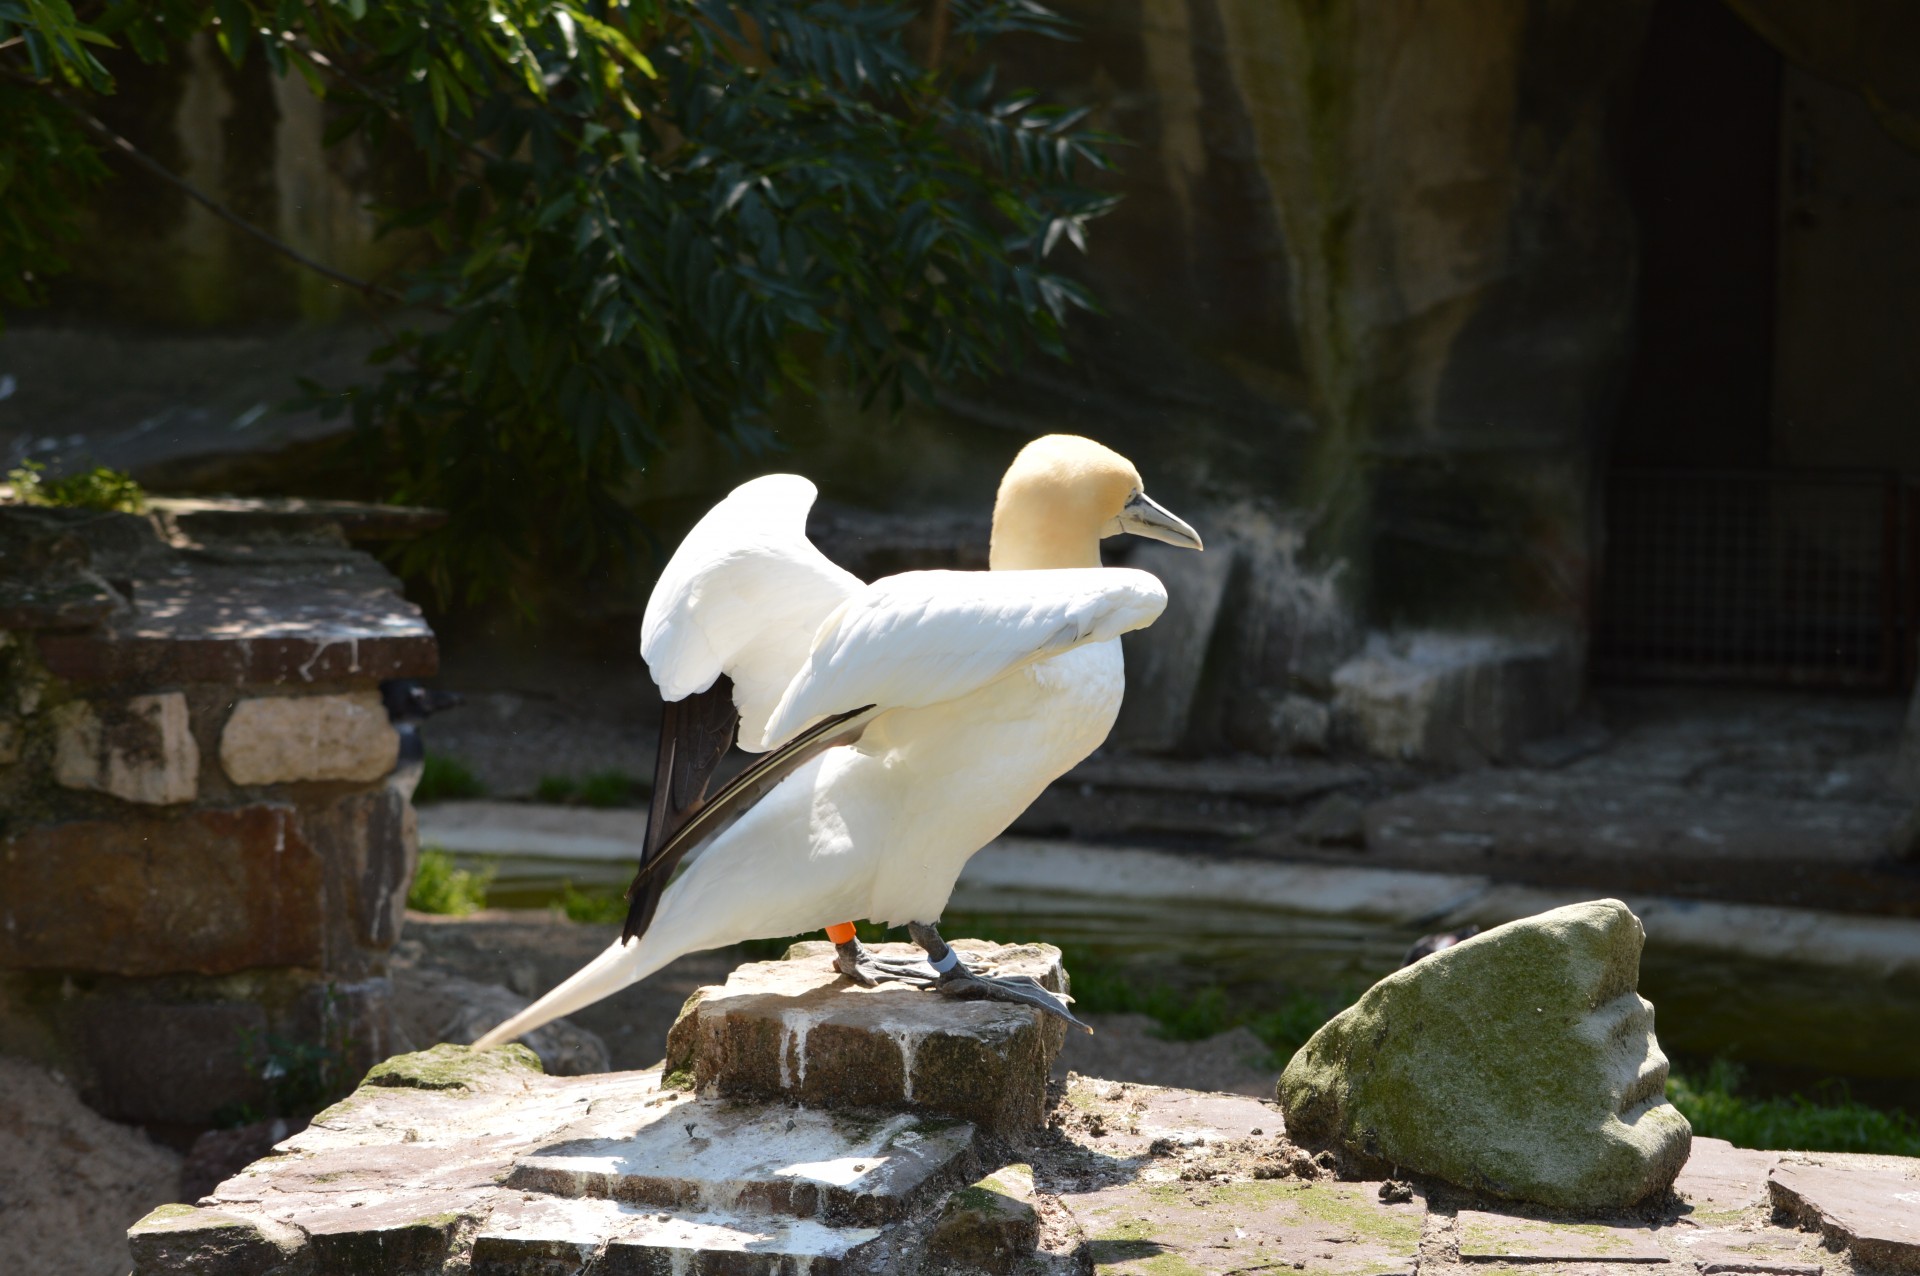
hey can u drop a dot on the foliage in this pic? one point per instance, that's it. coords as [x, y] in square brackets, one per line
[592, 906]
[439, 887]
[444, 779]
[630, 209]
[301, 1077]
[97, 489]
[1838, 1123]
[555, 790]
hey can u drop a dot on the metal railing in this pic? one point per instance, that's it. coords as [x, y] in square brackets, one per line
[1786, 578]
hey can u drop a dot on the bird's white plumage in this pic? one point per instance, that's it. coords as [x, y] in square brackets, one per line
[743, 595]
[990, 686]
[920, 638]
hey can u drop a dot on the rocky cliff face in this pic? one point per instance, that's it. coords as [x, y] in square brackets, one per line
[1369, 298]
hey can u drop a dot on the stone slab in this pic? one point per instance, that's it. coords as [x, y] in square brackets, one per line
[1753, 1248]
[237, 627]
[1511, 1238]
[1147, 1228]
[1873, 1209]
[1721, 1182]
[845, 1167]
[795, 1029]
[203, 891]
[1123, 1119]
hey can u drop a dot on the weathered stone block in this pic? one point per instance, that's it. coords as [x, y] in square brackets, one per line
[206, 891]
[1519, 1062]
[1455, 699]
[991, 1226]
[177, 1238]
[795, 1029]
[283, 739]
[1166, 660]
[140, 749]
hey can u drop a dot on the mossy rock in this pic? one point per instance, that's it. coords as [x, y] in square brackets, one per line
[453, 1067]
[1521, 1062]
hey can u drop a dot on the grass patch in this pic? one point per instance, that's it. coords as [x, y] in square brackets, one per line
[439, 887]
[96, 489]
[1834, 1123]
[592, 905]
[443, 778]
[1194, 1014]
[610, 788]
[605, 789]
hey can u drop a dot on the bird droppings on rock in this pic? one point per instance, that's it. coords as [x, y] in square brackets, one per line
[1520, 1062]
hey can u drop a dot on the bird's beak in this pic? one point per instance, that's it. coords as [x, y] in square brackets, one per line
[1144, 516]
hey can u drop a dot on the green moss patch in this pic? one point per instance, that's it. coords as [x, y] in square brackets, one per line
[452, 1067]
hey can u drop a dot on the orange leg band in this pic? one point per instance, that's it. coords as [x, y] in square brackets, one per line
[842, 933]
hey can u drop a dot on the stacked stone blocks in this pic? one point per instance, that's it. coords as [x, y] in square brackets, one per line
[200, 852]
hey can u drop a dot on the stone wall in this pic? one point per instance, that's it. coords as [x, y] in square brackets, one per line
[202, 863]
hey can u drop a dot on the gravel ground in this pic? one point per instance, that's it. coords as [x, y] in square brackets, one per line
[71, 1181]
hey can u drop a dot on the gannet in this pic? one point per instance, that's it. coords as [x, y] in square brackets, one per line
[902, 725]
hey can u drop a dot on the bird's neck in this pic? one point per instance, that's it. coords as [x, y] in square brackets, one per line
[1030, 540]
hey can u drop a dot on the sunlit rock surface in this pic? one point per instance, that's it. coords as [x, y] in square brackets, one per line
[1521, 1062]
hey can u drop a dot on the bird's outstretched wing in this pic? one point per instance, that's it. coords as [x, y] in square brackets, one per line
[727, 626]
[743, 596]
[921, 638]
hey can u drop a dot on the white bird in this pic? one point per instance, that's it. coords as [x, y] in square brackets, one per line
[903, 724]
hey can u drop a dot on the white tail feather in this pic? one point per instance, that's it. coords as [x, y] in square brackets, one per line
[620, 965]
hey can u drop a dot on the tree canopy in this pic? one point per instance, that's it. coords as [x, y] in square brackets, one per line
[635, 210]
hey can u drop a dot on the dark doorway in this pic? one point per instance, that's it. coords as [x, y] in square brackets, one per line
[1725, 559]
[1703, 159]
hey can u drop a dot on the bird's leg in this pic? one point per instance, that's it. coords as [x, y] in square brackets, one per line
[953, 979]
[870, 969]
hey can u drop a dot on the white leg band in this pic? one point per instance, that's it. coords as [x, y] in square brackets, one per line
[946, 963]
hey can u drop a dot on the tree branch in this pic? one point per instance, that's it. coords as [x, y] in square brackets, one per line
[937, 42]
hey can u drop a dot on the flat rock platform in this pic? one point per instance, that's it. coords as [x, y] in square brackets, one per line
[729, 1163]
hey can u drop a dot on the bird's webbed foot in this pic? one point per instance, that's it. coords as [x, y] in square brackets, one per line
[954, 979]
[870, 969]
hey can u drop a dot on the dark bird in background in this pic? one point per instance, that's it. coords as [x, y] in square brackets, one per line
[1428, 945]
[408, 704]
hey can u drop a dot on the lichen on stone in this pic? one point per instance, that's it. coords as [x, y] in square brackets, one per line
[452, 1067]
[1521, 1063]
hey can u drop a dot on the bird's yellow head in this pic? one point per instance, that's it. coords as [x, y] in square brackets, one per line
[1062, 494]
